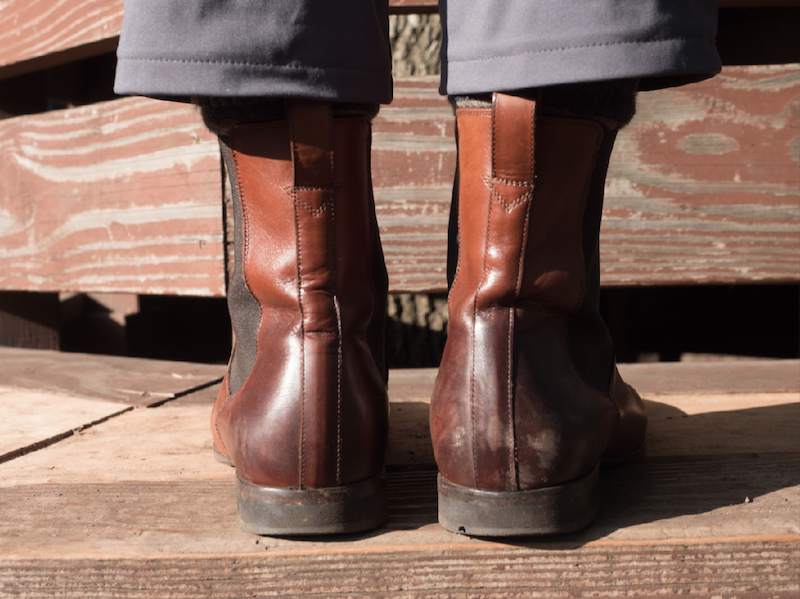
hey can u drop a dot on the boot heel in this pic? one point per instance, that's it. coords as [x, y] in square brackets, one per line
[551, 510]
[349, 508]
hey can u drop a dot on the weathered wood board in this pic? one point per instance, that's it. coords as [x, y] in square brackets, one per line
[137, 507]
[35, 418]
[132, 381]
[752, 570]
[35, 34]
[657, 378]
[122, 196]
[703, 188]
[703, 185]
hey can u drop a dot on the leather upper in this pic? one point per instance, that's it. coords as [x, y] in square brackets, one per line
[312, 411]
[510, 411]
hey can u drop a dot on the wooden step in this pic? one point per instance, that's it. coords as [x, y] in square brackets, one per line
[702, 188]
[132, 503]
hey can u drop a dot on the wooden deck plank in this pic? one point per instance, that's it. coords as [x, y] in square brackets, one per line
[32, 419]
[753, 570]
[657, 502]
[133, 381]
[658, 378]
[151, 470]
[137, 507]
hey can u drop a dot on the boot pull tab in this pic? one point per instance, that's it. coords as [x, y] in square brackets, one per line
[512, 137]
[312, 148]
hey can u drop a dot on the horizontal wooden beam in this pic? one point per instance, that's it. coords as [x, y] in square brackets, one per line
[702, 188]
[37, 34]
[125, 196]
[122, 196]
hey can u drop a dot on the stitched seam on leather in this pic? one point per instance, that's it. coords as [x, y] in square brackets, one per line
[291, 192]
[582, 46]
[302, 320]
[302, 348]
[532, 142]
[510, 395]
[524, 245]
[338, 395]
[506, 206]
[509, 182]
[472, 366]
[520, 269]
[494, 135]
[334, 283]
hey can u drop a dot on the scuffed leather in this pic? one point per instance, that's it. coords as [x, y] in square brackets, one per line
[509, 410]
[313, 411]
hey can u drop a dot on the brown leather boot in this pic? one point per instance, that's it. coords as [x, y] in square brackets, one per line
[303, 410]
[528, 401]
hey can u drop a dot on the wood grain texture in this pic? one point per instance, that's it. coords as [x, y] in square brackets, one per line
[703, 185]
[136, 507]
[132, 381]
[765, 570]
[657, 379]
[122, 196]
[703, 188]
[151, 471]
[32, 418]
[34, 32]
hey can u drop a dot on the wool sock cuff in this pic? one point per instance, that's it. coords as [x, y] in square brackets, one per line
[220, 115]
[612, 104]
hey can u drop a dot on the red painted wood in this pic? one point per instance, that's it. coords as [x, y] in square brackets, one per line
[123, 196]
[30, 29]
[126, 195]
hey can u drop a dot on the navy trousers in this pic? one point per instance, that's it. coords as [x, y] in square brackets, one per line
[339, 49]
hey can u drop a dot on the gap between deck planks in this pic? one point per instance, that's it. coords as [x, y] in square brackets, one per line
[140, 495]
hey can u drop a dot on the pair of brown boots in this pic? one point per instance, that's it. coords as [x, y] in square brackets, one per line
[527, 403]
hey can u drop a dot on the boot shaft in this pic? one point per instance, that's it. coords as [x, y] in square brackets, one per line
[511, 409]
[305, 404]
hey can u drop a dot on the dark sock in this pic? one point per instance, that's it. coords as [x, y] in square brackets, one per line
[612, 104]
[221, 114]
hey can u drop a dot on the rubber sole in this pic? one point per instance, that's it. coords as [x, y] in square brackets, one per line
[552, 510]
[298, 512]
